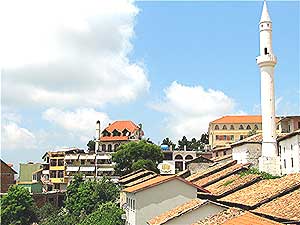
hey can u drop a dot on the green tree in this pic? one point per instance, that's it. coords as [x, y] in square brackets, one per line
[17, 207]
[168, 142]
[145, 164]
[91, 145]
[46, 211]
[107, 214]
[184, 142]
[83, 197]
[252, 132]
[204, 138]
[132, 152]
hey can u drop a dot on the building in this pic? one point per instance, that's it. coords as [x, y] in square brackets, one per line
[117, 133]
[289, 152]
[27, 178]
[289, 124]
[229, 129]
[148, 199]
[7, 176]
[269, 160]
[221, 151]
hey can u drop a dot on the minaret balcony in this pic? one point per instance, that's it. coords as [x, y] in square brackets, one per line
[266, 60]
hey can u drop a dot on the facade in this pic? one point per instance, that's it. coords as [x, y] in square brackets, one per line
[289, 153]
[7, 176]
[289, 124]
[180, 158]
[146, 200]
[27, 170]
[117, 133]
[269, 161]
[221, 151]
[229, 129]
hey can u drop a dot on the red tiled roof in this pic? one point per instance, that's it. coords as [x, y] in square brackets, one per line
[177, 211]
[121, 125]
[250, 219]
[285, 207]
[159, 180]
[114, 138]
[239, 119]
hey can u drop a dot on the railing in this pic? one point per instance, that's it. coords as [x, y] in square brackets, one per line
[269, 58]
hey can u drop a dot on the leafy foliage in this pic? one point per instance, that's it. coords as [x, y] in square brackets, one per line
[252, 132]
[264, 175]
[144, 164]
[17, 207]
[91, 145]
[107, 214]
[168, 142]
[46, 211]
[60, 217]
[129, 154]
[83, 197]
[193, 144]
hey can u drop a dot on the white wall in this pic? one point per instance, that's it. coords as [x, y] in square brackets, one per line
[158, 199]
[289, 148]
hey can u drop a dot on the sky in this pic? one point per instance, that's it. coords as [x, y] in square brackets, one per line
[172, 66]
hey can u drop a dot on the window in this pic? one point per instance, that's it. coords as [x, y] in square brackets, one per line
[224, 153]
[60, 162]
[217, 127]
[241, 127]
[248, 127]
[292, 162]
[178, 157]
[268, 24]
[188, 157]
[109, 148]
[217, 154]
[103, 148]
[298, 125]
[231, 127]
[241, 137]
[255, 127]
[279, 150]
[224, 137]
[116, 146]
[266, 51]
[60, 174]
[283, 149]
[133, 204]
[291, 147]
[224, 127]
[261, 25]
[232, 137]
[284, 163]
[53, 162]
[53, 174]
[217, 137]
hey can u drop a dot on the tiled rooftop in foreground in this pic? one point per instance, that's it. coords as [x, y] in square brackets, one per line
[262, 191]
[286, 207]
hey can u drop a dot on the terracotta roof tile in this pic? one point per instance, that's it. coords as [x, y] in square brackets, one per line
[263, 190]
[239, 119]
[210, 170]
[220, 217]
[140, 180]
[114, 138]
[250, 219]
[156, 181]
[177, 211]
[285, 207]
[220, 158]
[121, 125]
[231, 183]
[234, 216]
[135, 176]
[217, 176]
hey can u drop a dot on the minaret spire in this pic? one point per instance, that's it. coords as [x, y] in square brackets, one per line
[265, 17]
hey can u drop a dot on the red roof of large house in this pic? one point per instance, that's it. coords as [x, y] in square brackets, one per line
[239, 119]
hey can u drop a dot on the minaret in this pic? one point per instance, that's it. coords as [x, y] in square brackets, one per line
[269, 161]
[97, 141]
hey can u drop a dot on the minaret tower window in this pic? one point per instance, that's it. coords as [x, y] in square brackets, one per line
[266, 51]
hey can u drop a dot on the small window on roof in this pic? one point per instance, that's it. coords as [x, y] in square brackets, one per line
[231, 127]
[241, 127]
[248, 127]
[224, 127]
[217, 127]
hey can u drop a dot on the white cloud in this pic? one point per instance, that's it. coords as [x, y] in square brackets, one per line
[189, 109]
[14, 137]
[69, 53]
[81, 122]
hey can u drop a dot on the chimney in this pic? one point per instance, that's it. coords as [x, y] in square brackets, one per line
[184, 148]
[97, 136]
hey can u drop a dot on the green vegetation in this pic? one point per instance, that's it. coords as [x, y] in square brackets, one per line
[134, 155]
[228, 182]
[91, 145]
[264, 175]
[17, 207]
[107, 214]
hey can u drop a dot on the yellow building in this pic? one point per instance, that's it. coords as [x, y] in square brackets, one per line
[229, 129]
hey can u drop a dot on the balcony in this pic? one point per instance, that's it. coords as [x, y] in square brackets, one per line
[268, 59]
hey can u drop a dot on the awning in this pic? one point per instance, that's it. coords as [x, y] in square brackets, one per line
[71, 157]
[86, 169]
[72, 169]
[106, 169]
[103, 157]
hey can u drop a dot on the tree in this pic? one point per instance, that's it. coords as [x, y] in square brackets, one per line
[46, 211]
[17, 207]
[184, 142]
[168, 142]
[252, 132]
[83, 197]
[204, 138]
[107, 214]
[91, 145]
[132, 152]
[145, 164]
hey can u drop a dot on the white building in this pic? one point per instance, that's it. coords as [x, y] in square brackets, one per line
[289, 152]
[146, 200]
[269, 161]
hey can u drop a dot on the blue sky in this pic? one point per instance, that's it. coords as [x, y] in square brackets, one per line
[172, 66]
